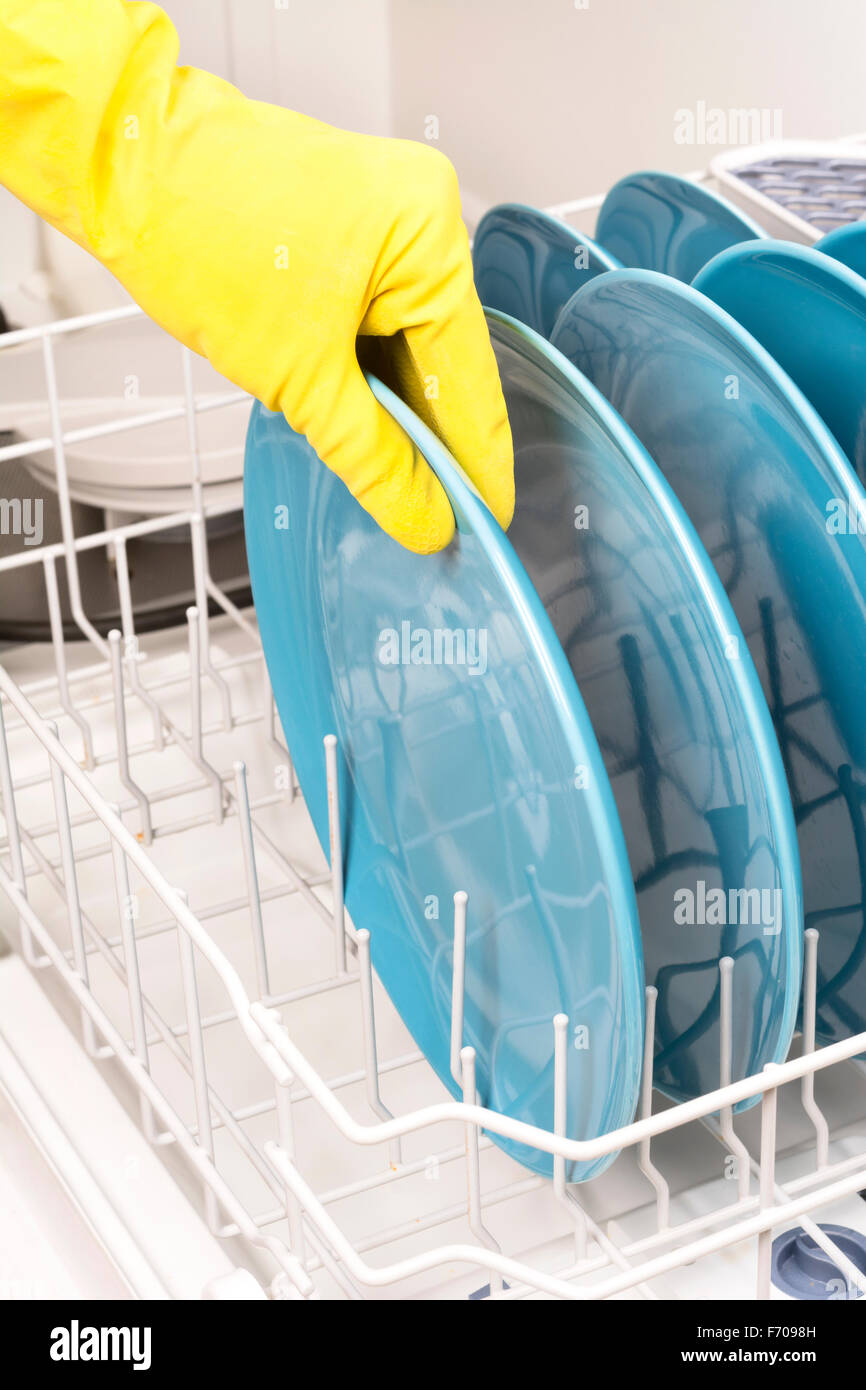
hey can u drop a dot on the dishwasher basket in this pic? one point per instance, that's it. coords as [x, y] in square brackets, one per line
[166, 888]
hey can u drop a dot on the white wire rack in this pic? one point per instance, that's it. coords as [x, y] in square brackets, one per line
[168, 893]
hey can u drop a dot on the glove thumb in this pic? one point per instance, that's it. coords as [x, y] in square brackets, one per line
[358, 440]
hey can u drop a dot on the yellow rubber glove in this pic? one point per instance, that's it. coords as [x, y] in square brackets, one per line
[264, 240]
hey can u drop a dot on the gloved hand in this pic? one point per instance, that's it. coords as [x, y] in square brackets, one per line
[264, 240]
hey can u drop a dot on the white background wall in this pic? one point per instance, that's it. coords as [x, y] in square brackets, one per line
[329, 58]
[540, 101]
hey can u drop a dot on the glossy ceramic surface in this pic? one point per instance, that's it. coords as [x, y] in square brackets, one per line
[776, 505]
[661, 222]
[469, 763]
[676, 704]
[846, 245]
[528, 264]
[809, 312]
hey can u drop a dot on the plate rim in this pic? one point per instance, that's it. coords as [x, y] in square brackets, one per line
[842, 234]
[717, 200]
[558, 224]
[811, 256]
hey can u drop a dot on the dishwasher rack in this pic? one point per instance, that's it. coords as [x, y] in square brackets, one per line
[170, 895]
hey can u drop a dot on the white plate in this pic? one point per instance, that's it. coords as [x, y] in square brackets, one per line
[143, 468]
[114, 374]
[141, 501]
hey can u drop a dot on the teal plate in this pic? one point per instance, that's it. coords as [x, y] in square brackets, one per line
[658, 221]
[676, 704]
[529, 264]
[809, 312]
[468, 763]
[776, 506]
[847, 245]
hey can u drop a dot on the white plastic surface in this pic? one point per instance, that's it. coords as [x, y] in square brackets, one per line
[126, 1228]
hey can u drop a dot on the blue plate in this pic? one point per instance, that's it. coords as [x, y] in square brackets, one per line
[469, 763]
[662, 222]
[528, 264]
[847, 245]
[677, 707]
[775, 504]
[809, 312]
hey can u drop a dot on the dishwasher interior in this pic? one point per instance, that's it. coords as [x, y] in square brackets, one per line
[210, 1036]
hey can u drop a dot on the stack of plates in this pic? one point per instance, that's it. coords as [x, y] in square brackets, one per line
[630, 730]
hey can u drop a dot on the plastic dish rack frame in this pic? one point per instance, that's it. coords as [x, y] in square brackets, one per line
[93, 725]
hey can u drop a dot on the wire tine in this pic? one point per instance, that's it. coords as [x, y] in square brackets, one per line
[195, 1034]
[198, 536]
[196, 736]
[58, 645]
[130, 641]
[473, 1170]
[114, 640]
[583, 1222]
[65, 502]
[273, 737]
[368, 1025]
[736, 1147]
[127, 904]
[767, 1184]
[336, 845]
[560, 1127]
[458, 984]
[807, 1085]
[286, 1135]
[70, 888]
[645, 1163]
[245, 825]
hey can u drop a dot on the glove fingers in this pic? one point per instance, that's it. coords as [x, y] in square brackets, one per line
[447, 372]
[359, 441]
